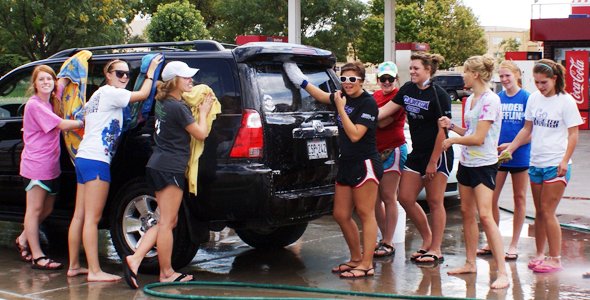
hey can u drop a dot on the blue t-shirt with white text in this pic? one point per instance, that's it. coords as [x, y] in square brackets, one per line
[513, 108]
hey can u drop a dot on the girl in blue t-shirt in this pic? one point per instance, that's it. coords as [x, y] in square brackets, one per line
[514, 101]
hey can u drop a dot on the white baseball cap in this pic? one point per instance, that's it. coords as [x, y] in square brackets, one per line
[177, 68]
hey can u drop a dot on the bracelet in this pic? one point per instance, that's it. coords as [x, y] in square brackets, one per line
[452, 126]
[146, 77]
[81, 123]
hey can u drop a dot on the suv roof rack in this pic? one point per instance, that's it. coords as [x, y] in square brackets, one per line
[199, 45]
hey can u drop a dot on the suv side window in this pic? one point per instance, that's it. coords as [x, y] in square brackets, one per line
[217, 74]
[13, 95]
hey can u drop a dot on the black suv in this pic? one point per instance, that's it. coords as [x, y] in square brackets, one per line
[268, 165]
[453, 84]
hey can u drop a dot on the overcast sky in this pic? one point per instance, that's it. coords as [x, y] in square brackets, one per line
[516, 13]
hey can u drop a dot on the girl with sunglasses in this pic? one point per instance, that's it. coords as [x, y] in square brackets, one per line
[551, 124]
[391, 144]
[40, 161]
[359, 164]
[427, 166]
[478, 165]
[103, 115]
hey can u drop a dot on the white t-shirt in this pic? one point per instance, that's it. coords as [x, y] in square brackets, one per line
[103, 122]
[551, 117]
[488, 108]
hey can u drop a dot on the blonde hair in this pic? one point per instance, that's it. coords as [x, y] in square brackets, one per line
[53, 100]
[512, 67]
[166, 87]
[482, 65]
[431, 60]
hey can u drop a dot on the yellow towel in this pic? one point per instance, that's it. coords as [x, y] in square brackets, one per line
[194, 99]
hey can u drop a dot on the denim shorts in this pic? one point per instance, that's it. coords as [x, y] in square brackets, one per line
[90, 169]
[549, 175]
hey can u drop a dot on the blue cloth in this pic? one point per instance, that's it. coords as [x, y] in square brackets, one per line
[136, 113]
[512, 121]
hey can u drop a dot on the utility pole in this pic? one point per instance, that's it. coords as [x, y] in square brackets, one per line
[294, 21]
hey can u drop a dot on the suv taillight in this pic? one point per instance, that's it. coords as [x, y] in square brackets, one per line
[249, 142]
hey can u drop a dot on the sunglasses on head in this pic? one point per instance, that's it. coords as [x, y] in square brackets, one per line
[120, 73]
[383, 79]
[351, 79]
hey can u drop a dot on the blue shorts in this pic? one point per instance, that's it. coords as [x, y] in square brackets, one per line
[51, 186]
[90, 169]
[549, 175]
[395, 160]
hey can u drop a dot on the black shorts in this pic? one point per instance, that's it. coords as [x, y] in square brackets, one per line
[51, 185]
[417, 162]
[473, 176]
[158, 180]
[355, 173]
[513, 170]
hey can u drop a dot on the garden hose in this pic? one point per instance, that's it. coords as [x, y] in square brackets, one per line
[149, 289]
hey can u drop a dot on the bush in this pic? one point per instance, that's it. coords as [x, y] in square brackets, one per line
[177, 21]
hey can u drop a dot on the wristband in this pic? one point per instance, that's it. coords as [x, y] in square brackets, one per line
[304, 84]
[146, 77]
[452, 126]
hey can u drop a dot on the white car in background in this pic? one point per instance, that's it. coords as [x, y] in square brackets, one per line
[452, 189]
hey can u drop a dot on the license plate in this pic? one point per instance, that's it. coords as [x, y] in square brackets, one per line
[316, 149]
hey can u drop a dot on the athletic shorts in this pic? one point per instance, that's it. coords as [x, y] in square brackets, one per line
[394, 159]
[549, 175]
[355, 173]
[512, 170]
[158, 180]
[51, 186]
[417, 163]
[473, 176]
[90, 169]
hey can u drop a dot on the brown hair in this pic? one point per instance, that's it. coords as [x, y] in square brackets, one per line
[166, 87]
[53, 100]
[482, 65]
[550, 69]
[109, 66]
[431, 60]
[356, 67]
[510, 65]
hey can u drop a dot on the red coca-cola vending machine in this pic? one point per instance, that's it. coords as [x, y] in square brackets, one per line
[576, 81]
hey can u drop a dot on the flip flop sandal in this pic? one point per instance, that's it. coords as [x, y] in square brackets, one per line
[384, 250]
[181, 277]
[534, 262]
[420, 253]
[435, 259]
[23, 251]
[130, 277]
[35, 264]
[483, 252]
[511, 256]
[365, 273]
[543, 268]
[343, 267]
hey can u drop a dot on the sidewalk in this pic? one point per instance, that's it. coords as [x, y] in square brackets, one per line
[574, 209]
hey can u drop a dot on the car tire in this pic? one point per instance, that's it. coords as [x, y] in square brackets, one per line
[133, 214]
[453, 95]
[272, 238]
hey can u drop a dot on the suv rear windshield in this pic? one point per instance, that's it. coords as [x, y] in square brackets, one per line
[279, 95]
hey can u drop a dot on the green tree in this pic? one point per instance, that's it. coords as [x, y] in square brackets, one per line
[205, 7]
[449, 27]
[328, 24]
[36, 29]
[176, 21]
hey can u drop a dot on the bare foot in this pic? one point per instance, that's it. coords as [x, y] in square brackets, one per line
[133, 264]
[501, 282]
[177, 277]
[468, 268]
[73, 272]
[103, 277]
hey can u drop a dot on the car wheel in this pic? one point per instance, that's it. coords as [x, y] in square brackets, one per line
[273, 237]
[135, 212]
[453, 95]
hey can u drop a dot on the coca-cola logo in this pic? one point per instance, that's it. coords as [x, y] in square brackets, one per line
[576, 71]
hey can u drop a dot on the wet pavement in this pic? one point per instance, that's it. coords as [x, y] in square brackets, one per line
[307, 263]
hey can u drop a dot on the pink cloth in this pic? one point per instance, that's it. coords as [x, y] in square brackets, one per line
[40, 157]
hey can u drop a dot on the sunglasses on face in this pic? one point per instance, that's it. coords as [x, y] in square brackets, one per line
[351, 79]
[383, 79]
[121, 74]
